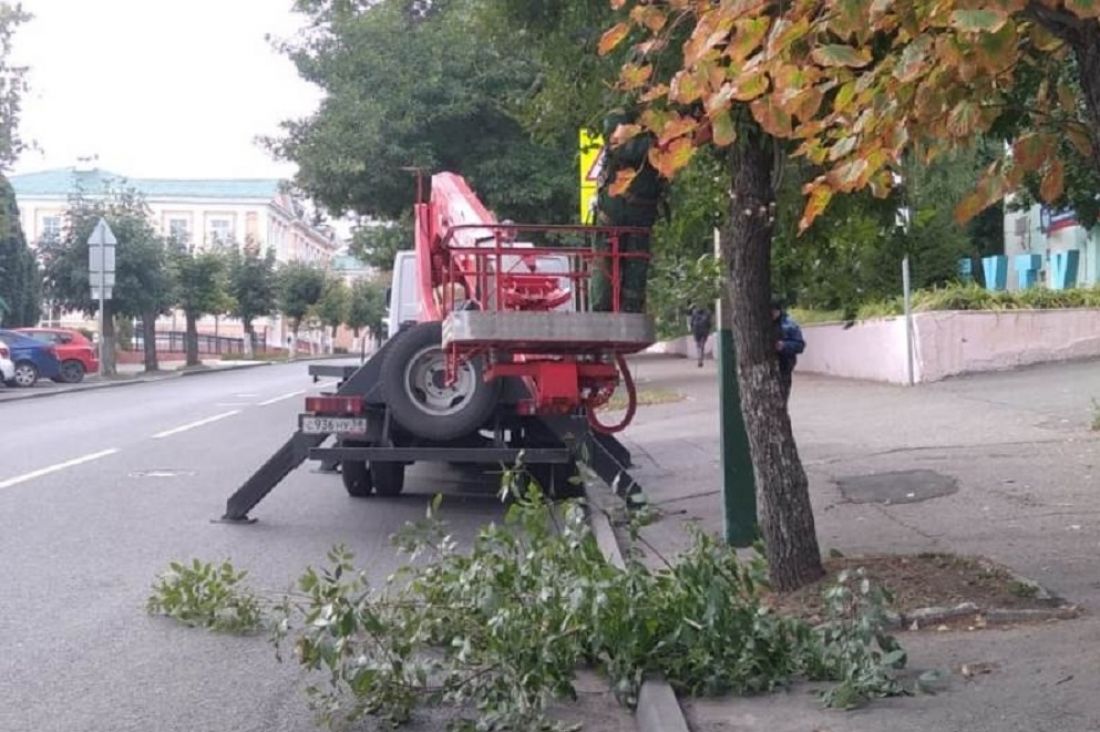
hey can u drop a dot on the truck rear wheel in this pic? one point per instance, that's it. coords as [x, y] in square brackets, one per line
[356, 477]
[413, 382]
[389, 478]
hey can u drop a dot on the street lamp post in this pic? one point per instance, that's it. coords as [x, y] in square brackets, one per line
[902, 219]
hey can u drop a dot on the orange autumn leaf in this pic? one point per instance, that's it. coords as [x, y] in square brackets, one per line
[671, 159]
[677, 126]
[633, 76]
[612, 37]
[648, 16]
[722, 127]
[836, 54]
[623, 178]
[817, 201]
[625, 132]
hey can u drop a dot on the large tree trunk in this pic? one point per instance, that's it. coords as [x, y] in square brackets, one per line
[107, 340]
[1087, 50]
[249, 336]
[1083, 36]
[783, 498]
[191, 341]
[149, 339]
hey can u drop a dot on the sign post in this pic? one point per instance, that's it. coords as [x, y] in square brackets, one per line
[738, 483]
[902, 219]
[101, 276]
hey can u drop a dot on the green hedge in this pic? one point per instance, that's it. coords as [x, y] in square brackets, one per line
[974, 297]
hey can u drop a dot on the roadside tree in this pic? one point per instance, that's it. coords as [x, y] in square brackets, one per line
[332, 309]
[377, 244]
[298, 289]
[13, 85]
[20, 277]
[366, 309]
[855, 88]
[200, 289]
[419, 88]
[143, 286]
[251, 285]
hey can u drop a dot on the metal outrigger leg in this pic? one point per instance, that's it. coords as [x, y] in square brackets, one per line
[603, 453]
[353, 380]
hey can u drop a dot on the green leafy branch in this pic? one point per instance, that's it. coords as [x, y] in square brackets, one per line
[498, 629]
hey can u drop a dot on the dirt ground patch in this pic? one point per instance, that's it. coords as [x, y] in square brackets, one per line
[924, 580]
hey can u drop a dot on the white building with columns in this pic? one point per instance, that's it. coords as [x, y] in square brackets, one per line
[196, 212]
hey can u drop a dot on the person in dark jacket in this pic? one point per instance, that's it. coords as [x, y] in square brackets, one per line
[788, 344]
[700, 330]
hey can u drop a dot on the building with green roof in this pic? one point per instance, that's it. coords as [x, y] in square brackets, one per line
[196, 211]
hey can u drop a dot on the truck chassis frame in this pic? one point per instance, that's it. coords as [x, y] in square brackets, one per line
[534, 440]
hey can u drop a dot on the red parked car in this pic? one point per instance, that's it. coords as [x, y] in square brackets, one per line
[76, 353]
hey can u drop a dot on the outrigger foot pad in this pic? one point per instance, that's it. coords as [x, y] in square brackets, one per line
[227, 519]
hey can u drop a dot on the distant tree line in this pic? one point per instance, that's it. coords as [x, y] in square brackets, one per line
[157, 274]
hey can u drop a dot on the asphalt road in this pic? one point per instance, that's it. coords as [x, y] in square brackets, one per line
[100, 489]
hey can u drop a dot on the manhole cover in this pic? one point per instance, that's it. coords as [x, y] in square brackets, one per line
[161, 473]
[903, 486]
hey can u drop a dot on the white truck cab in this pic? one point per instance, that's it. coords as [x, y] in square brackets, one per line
[404, 304]
[404, 295]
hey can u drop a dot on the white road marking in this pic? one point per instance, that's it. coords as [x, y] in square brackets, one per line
[231, 404]
[283, 397]
[245, 396]
[193, 425]
[54, 468]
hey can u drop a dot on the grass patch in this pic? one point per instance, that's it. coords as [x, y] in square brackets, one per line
[812, 317]
[646, 397]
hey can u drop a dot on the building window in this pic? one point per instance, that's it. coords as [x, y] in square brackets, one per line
[220, 231]
[179, 231]
[51, 228]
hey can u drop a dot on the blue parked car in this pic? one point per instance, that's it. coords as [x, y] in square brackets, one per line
[33, 359]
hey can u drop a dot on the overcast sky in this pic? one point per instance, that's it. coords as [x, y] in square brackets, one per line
[158, 88]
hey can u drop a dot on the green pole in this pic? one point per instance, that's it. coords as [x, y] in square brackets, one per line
[738, 485]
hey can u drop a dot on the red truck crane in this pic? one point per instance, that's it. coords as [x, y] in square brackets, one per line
[509, 358]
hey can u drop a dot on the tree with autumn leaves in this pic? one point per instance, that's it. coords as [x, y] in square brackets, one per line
[856, 88]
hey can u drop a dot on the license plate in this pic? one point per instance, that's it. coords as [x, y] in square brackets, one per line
[334, 425]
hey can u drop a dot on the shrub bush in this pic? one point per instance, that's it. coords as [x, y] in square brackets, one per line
[975, 297]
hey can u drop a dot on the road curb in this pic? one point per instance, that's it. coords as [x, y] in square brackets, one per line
[220, 369]
[86, 387]
[128, 382]
[658, 709]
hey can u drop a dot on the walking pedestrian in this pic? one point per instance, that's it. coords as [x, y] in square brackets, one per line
[700, 330]
[788, 344]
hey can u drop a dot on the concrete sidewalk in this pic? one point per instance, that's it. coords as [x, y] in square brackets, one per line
[1019, 446]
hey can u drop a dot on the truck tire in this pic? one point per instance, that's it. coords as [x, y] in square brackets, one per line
[412, 379]
[357, 478]
[389, 478]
